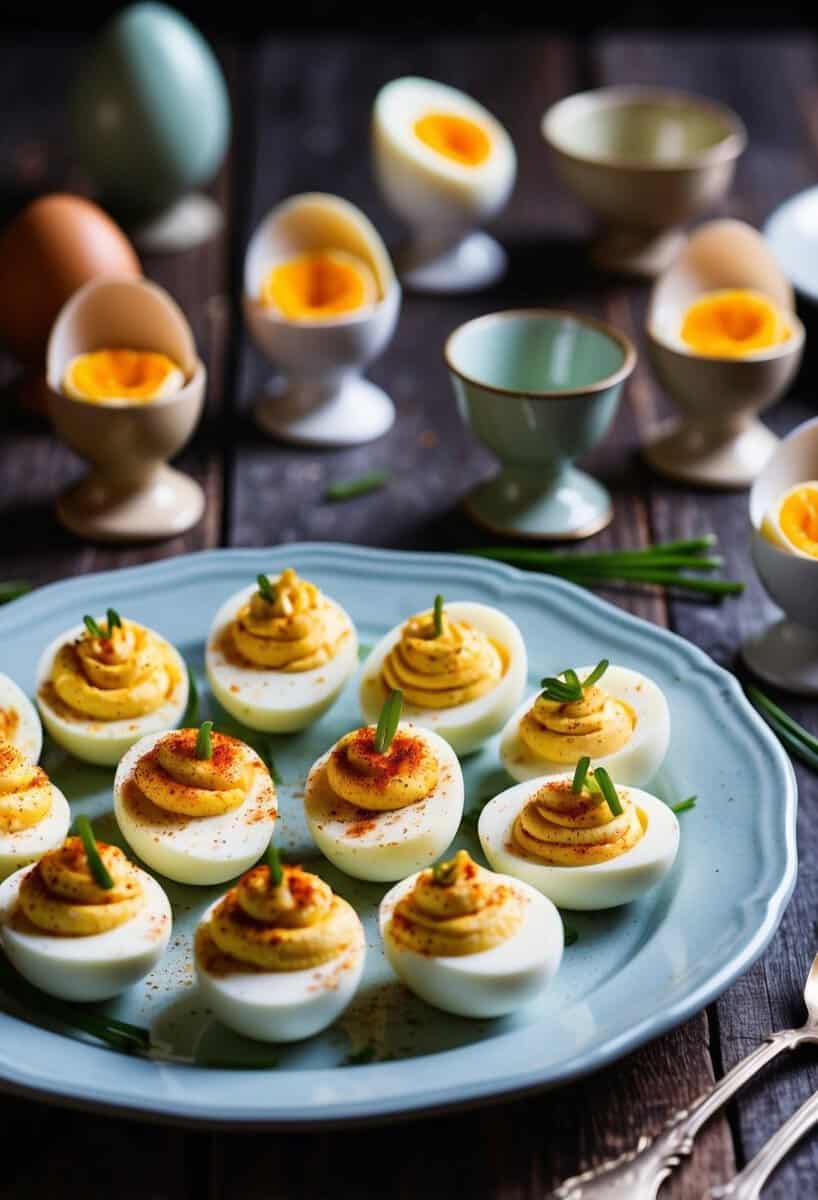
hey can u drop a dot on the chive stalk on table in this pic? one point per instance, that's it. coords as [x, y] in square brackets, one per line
[10, 589]
[794, 737]
[348, 489]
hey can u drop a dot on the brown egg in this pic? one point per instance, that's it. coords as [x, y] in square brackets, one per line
[56, 244]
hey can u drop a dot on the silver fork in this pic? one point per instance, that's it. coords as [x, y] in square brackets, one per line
[638, 1174]
[748, 1183]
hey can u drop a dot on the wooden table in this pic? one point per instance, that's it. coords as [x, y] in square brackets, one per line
[301, 114]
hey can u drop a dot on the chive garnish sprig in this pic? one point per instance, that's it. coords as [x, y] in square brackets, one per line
[272, 859]
[600, 781]
[101, 874]
[580, 775]
[443, 872]
[266, 589]
[567, 687]
[349, 489]
[437, 615]
[684, 805]
[93, 627]
[388, 721]
[204, 742]
[794, 737]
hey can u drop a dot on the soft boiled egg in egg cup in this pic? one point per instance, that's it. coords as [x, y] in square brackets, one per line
[279, 652]
[445, 165]
[725, 343]
[385, 800]
[460, 667]
[125, 391]
[19, 723]
[197, 806]
[580, 839]
[784, 545]
[280, 956]
[617, 716]
[321, 301]
[469, 941]
[34, 814]
[84, 923]
[107, 682]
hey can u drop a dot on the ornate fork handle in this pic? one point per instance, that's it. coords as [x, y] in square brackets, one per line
[748, 1183]
[638, 1174]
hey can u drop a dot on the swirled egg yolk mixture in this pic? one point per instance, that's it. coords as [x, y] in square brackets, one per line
[25, 791]
[364, 777]
[568, 829]
[133, 375]
[442, 670]
[596, 725]
[60, 895]
[175, 780]
[298, 631]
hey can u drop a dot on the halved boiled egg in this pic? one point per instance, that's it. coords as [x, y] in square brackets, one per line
[19, 723]
[199, 809]
[122, 376]
[104, 684]
[279, 957]
[792, 522]
[621, 721]
[278, 654]
[461, 668]
[380, 814]
[73, 938]
[573, 847]
[34, 814]
[470, 941]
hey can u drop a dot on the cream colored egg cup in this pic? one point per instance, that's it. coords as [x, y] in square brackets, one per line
[130, 494]
[718, 440]
[442, 202]
[646, 161]
[785, 653]
[320, 397]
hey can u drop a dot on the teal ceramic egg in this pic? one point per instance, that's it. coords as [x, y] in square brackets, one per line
[150, 111]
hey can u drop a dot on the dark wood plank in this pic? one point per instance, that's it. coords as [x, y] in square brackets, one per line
[780, 160]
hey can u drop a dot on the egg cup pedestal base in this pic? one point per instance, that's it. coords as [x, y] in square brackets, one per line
[786, 655]
[639, 252]
[565, 506]
[188, 222]
[353, 413]
[718, 458]
[476, 262]
[99, 508]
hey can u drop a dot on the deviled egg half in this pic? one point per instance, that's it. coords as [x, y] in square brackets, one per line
[280, 956]
[279, 653]
[615, 716]
[195, 805]
[108, 682]
[470, 941]
[461, 668]
[19, 723]
[34, 814]
[385, 800]
[579, 839]
[83, 926]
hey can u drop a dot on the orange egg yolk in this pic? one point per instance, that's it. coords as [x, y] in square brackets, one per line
[454, 137]
[798, 518]
[135, 375]
[319, 286]
[732, 324]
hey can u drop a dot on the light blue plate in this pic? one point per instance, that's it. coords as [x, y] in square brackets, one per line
[633, 973]
[792, 232]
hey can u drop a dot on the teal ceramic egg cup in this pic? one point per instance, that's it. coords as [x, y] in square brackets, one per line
[540, 388]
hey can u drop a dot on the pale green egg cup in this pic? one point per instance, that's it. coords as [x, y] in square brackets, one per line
[540, 388]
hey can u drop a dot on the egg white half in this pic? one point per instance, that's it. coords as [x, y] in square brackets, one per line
[283, 1006]
[200, 850]
[275, 701]
[384, 846]
[28, 733]
[635, 763]
[94, 967]
[491, 982]
[466, 726]
[104, 742]
[28, 845]
[596, 885]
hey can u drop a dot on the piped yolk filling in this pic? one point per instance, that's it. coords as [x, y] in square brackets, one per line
[299, 631]
[455, 137]
[135, 375]
[25, 791]
[442, 671]
[297, 924]
[60, 895]
[733, 323]
[596, 726]
[319, 286]
[127, 674]
[798, 518]
[566, 829]
[361, 775]
[457, 910]
[174, 779]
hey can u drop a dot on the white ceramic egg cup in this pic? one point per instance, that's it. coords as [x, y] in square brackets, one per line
[320, 398]
[458, 264]
[785, 653]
